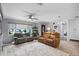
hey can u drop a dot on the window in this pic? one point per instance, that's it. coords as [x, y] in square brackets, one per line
[19, 28]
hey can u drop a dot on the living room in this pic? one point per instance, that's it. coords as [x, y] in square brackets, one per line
[38, 28]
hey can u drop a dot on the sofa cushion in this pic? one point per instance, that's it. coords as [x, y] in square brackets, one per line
[46, 35]
[52, 36]
[56, 34]
[49, 40]
[41, 38]
[18, 35]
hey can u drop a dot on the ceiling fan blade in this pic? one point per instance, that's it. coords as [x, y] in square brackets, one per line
[35, 18]
[40, 4]
[27, 12]
[30, 13]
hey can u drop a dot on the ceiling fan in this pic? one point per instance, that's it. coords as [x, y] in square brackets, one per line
[40, 4]
[31, 16]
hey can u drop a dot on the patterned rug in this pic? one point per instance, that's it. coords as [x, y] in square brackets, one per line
[33, 48]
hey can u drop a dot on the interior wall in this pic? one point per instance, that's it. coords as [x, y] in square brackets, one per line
[74, 29]
[6, 37]
[60, 28]
[39, 28]
[73, 32]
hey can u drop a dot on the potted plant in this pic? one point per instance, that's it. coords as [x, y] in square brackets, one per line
[24, 30]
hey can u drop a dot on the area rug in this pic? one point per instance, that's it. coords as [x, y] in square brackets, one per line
[33, 48]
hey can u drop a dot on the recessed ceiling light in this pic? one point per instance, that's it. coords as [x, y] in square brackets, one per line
[30, 19]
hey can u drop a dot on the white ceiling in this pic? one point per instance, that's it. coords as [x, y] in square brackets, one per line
[45, 12]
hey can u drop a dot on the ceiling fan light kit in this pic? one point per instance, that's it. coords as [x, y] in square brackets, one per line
[30, 19]
[31, 16]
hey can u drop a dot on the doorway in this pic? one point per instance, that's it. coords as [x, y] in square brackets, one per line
[63, 29]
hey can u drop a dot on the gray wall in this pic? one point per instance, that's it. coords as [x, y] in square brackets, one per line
[74, 29]
[6, 37]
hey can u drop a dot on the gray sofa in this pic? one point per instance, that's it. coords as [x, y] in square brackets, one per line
[21, 38]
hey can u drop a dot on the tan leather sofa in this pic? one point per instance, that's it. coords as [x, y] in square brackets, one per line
[50, 38]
